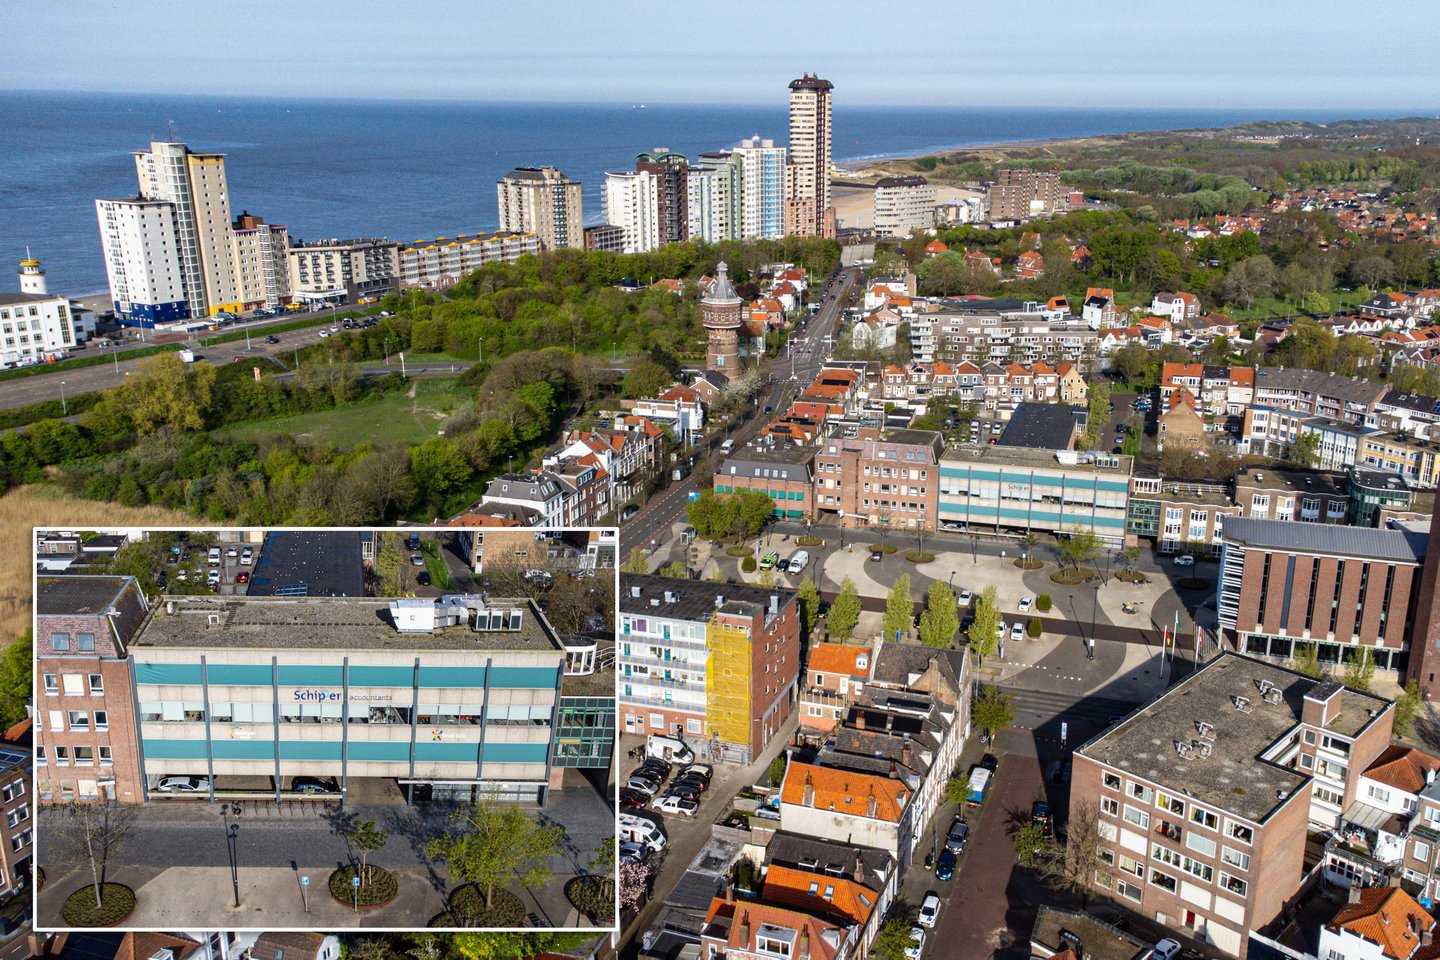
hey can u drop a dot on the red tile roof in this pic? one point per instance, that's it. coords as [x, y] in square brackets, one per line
[1404, 768]
[845, 791]
[1384, 916]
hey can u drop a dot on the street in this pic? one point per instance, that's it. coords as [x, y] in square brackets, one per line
[809, 350]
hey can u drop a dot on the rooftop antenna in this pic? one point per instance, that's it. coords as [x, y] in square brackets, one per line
[170, 125]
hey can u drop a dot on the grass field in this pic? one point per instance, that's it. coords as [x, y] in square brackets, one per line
[41, 506]
[407, 417]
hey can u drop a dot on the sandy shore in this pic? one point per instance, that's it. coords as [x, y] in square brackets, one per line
[855, 206]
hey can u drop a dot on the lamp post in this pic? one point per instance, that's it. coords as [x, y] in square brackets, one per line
[115, 354]
[1094, 604]
[64, 407]
[232, 832]
[480, 350]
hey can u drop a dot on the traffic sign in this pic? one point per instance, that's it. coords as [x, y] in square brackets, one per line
[693, 495]
[354, 881]
[304, 881]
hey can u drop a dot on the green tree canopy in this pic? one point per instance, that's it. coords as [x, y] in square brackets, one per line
[898, 609]
[940, 619]
[845, 611]
[494, 845]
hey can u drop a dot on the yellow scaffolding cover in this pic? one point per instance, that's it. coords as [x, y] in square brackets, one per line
[727, 681]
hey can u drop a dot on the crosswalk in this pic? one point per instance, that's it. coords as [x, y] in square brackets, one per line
[1036, 708]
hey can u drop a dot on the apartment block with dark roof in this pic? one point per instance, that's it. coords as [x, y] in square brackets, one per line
[1205, 796]
[891, 482]
[85, 734]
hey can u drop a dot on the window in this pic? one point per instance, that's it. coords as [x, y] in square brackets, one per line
[1205, 818]
[1140, 792]
[1110, 806]
[1239, 832]
[1110, 781]
[13, 790]
[1309, 736]
[693, 725]
[52, 683]
[62, 756]
[1166, 802]
[40, 759]
[1421, 851]
[1234, 884]
[1128, 890]
[1235, 858]
[97, 684]
[1140, 818]
[105, 758]
[102, 720]
[85, 642]
[84, 756]
[1376, 792]
[79, 719]
[1131, 866]
[1163, 880]
[1200, 844]
[60, 642]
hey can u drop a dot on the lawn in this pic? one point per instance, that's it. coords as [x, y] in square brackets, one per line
[436, 567]
[406, 417]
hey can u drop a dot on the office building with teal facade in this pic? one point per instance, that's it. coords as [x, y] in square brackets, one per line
[451, 698]
[1017, 489]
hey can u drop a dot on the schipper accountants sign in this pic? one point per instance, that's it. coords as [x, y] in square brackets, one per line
[315, 695]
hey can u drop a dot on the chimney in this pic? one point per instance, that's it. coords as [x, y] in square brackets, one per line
[745, 930]
[1427, 936]
[859, 719]
[809, 791]
[906, 753]
[894, 771]
[870, 803]
[802, 952]
[1354, 895]
[858, 872]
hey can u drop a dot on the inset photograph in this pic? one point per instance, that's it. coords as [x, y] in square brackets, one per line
[325, 729]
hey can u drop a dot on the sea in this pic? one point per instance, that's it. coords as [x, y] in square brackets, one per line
[412, 170]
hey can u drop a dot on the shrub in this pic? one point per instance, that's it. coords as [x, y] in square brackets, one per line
[381, 888]
[1043, 603]
[1033, 628]
[920, 556]
[467, 908]
[748, 564]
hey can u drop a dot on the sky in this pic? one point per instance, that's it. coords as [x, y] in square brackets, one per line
[1094, 53]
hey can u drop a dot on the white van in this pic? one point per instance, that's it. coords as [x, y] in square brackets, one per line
[798, 562]
[634, 829]
[669, 749]
[727, 445]
[214, 554]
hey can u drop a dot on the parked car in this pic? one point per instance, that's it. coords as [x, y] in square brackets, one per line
[324, 334]
[680, 805]
[232, 551]
[958, 836]
[644, 785]
[965, 599]
[990, 762]
[876, 556]
[1017, 631]
[212, 579]
[630, 511]
[422, 578]
[917, 944]
[686, 791]
[695, 782]
[1166, 949]
[929, 911]
[633, 798]
[272, 339]
[703, 769]
[242, 577]
[1025, 604]
[945, 866]
[769, 561]
[1185, 560]
[247, 555]
[634, 852]
[417, 559]
[1040, 815]
[313, 785]
[183, 784]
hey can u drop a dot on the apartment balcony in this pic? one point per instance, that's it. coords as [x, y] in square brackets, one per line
[825, 698]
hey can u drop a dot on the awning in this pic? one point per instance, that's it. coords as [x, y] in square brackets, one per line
[1365, 816]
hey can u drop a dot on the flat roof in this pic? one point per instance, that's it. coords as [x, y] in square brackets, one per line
[694, 600]
[1300, 481]
[786, 453]
[326, 623]
[1232, 778]
[324, 563]
[1045, 425]
[9, 299]
[1396, 545]
[1035, 458]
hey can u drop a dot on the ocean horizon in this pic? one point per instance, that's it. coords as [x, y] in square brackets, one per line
[417, 169]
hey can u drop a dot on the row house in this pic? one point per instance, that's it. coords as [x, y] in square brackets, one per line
[783, 471]
[540, 494]
[678, 406]
[747, 930]
[1220, 390]
[1176, 307]
[1321, 394]
[1418, 347]
[1406, 413]
[1391, 830]
[625, 455]
[1418, 461]
[1379, 923]
[1098, 309]
[1304, 496]
[1180, 517]
[892, 481]
[831, 879]
[585, 489]
[1358, 325]
[877, 330]
[835, 676]
[1155, 330]
[882, 290]
[955, 337]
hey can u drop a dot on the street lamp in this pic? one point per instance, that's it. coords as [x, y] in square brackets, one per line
[231, 834]
[64, 408]
[1090, 648]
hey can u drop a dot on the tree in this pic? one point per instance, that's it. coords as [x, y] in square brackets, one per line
[634, 881]
[807, 595]
[892, 940]
[675, 570]
[164, 391]
[993, 711]
[1073, 865]
[984, 632]
[845, 611]
[1249, 280]
[17, 676]
[1029, 840]
[1128, 558]
[940, 620]
[647, 379]
[1407, 708]
[899, 610]
[1372, 271]
[1360, 671]
[1131, 362]
[497, 844]
[366, 837]
[95, 832]
[1307, 660]
[777, 770]
[1305, 450]
[957, 790]
[636, 562]
[767, 579]
[1079, 547]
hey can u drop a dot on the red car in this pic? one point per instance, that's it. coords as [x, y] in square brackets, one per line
[242, 577]
[634, 799]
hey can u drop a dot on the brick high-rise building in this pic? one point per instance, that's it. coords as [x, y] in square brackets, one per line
[85, 740]
[542, 201]
[672, 190]
[720, 312]
[808, 212]
[1425, 633]
[1020, 193]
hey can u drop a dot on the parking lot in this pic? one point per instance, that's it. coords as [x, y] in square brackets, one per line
[191, 570]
